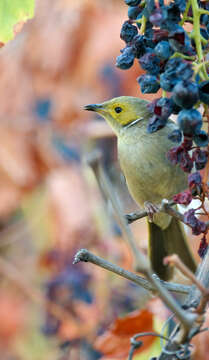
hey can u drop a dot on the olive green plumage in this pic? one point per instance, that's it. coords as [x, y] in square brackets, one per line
[149, 174]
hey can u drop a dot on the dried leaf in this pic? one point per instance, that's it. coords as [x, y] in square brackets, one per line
[116, 341]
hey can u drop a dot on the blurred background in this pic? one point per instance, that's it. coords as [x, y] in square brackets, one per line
[50, 204]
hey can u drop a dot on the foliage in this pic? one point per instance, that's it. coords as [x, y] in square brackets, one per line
[13, 15]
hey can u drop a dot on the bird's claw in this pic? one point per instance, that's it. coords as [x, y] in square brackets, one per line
[151, 209]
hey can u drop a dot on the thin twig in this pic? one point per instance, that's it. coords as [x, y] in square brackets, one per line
[94, 161]
[166, 207]
[87, 256]
[186, 318]
[176, 261]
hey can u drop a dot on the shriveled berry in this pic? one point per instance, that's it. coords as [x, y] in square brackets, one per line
[138, 46]
[155, 123]
[176, 70]
[174, 154]
[194, 180]
[148, 84]
[183, 198]
[197, 225]
[126, 59]
[186, 162]
[150, 62]
[200, 158]
[161, 107]
[128, 32]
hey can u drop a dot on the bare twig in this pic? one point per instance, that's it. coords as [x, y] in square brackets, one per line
[166, 207]
[94, 161]
[87, 256]
[176, 261]
[195, 300]
[186, 318]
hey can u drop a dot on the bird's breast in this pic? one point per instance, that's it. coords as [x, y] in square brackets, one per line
[149, 174]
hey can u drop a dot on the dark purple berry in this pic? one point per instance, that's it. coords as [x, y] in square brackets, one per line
[161, 107]
[197, 225]
[155, 123]
[156, 18]
[128, 32]
[138, 46]
[160, 34]
[126, 59]
[148, 84]
[133, 12]
[174, 154]
[185, 94]
[150, 62]
[201, 138]
[183, 198]
[190, 121]
[200, 158]
[194, 180]
[176, 70]
[186, 162]
[163, 50]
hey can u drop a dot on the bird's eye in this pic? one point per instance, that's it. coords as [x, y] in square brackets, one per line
[118, 109]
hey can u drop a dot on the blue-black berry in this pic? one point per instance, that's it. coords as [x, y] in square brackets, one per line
[126, 59]
[148, 84]
[186, 94]
[128, 32]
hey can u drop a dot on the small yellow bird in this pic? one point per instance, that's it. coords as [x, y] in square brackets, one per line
[149, 175]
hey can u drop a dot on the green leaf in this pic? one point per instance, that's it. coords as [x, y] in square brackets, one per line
[13, 13]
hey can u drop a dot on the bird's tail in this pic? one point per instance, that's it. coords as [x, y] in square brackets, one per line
[162, 243]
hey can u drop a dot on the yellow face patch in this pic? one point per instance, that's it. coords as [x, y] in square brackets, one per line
[123, 113]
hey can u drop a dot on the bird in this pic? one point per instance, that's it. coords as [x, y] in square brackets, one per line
[149, 175]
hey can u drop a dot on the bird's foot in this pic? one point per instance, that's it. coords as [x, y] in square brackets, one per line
[151, 209]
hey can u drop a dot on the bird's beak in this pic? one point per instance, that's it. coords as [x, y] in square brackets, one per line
[93, 107]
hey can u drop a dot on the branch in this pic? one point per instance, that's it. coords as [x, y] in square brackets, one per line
[87, 256]
[195, 300]
[166, 207]
[94, 161]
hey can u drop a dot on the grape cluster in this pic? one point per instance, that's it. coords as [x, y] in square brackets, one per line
[154, 35]
[174, 61]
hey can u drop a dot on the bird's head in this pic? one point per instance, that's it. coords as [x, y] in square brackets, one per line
[122, 111]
